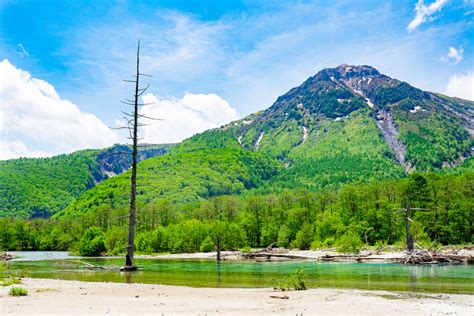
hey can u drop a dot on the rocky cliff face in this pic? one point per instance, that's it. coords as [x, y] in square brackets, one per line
[117, 159]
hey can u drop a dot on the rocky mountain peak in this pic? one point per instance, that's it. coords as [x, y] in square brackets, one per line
[350, 71]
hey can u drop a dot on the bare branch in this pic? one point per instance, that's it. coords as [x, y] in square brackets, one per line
[143, 90]
[150, 118]
[147, 86]
[123, 127]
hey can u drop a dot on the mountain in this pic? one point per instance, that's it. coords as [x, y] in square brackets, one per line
[355, 114]
[40, 187]
[345, 124]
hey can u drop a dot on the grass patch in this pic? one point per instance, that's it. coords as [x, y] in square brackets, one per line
[18, 291]
[294, 282]
[9, 281]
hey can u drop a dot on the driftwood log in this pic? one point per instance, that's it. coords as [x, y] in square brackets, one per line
[429, 257]
[5, 256]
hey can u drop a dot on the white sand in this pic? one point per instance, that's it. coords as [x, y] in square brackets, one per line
[57, 297]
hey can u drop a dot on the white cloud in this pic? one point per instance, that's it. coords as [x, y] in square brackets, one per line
[182, 118]
[454, 56]
[35, 121]
[424, 12]
[461, 86]
[16, 148]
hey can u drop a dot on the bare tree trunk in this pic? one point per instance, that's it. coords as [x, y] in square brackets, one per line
[129, 265]
[218, 257]
[409, 239]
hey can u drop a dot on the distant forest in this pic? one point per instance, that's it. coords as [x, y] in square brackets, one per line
[349, 218]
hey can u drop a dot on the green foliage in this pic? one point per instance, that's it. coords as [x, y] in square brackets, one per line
[432, 140]
[350, 242]
[338, 152]
[303, 238]
[294, 282]
[345, 217]
[18, 291]
[116, 241]
[207, 245]
[92, 242]
[284, 235]
[41, 187]
[178, 178]
[394, 92]
[6, 281]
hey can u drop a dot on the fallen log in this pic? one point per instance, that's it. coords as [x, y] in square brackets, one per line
[268, 255]
[431, 257]
[5, 256]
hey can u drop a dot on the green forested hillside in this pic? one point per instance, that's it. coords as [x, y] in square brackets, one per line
[40, 187]
[182, 176]
[336, 152]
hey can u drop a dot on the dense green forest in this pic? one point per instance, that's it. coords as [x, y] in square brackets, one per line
[349, 217]
[40, 187]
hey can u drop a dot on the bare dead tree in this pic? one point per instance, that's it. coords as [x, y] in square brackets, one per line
[132, 125]
[410, 242]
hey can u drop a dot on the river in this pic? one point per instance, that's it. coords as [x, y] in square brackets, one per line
[207, 273]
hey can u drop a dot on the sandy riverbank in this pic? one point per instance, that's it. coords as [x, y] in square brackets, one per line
[316, 255]
[296, 254]
[57, 297]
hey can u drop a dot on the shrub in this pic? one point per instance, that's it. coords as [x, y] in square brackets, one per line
[143, 243]
[380, 245]
[284, 236]
[328, 242]
[315, 244]
[303, 238]
[207, 245]
[293, 282]
[6, 281]
[18, 291]
[92, 242]
[350, 242]
[116, 241]
[246, 249]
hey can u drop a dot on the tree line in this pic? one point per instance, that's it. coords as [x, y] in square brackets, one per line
[348, 218]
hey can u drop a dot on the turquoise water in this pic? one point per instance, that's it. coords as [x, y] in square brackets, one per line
[207, 273]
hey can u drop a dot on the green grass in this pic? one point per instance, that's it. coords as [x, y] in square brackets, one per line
[294, 282]
[18, 291]
[6, 281]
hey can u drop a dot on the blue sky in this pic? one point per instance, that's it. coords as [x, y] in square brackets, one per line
[230, 57]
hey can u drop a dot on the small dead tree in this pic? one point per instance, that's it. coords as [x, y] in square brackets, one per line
[132, 125]
[410, 241]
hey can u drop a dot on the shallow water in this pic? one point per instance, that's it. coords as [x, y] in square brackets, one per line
[39, 255]
[206, 273]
